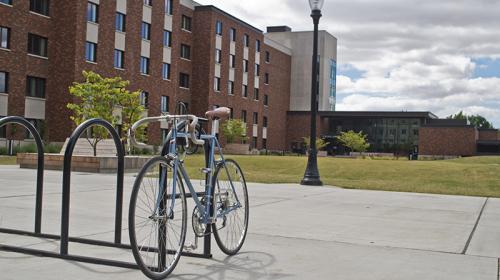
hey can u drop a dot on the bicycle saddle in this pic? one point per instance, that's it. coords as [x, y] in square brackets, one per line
[218, 113]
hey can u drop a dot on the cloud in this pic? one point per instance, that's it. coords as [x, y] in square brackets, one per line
[401, 54]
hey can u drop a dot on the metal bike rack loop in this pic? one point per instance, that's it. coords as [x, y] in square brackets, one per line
[39, 173]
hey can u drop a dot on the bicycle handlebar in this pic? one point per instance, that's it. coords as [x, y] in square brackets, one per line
[191, 127]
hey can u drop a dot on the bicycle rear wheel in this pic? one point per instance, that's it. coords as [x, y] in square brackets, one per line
[232, 204]
[157, 219]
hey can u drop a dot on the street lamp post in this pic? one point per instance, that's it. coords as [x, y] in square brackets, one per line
[311, 176]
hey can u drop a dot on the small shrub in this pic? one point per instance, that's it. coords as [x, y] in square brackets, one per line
[3, 151]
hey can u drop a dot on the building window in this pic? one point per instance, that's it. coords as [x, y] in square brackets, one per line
[266, 100]
[218, 27]
[167, 38]
[90, 51]
[257, 69]
[230, 87]
[264, 144]
[144, 99]
[217, 84]
[185, 51]
[35, 87]
[148, 2]
[144, 65]
[245, 91]
[37, 45]
[257, 45]
[4, 82]
[246, 40]
[186, 23]
[169, 7]
[92, 12]
[38, 6]
[120, 22]
[146, 31]
[255, 118]
[119, 56]
[232, 59]
[245, 65]
[8, 2]
[165, 71]
[39, 126]
[183, 80]
[218, 56]
[232, 35]
[231, 112]
[244, 116]
[268, 56]
[254, 142]
[415, 132]
[266, 78]
[4, 37]
[256, 94]
[264, 122]
[164, 103]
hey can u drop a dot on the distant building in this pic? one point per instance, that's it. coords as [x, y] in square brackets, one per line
[396, 132]
[301, 46]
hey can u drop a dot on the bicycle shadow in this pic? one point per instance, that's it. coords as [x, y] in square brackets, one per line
[245, 265]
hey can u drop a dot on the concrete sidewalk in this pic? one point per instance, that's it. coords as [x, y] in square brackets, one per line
[295, 232]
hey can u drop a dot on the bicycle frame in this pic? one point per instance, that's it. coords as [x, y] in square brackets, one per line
[178, 168]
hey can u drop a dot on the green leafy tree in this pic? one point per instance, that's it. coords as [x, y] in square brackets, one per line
[356, 141]
[477, 121]
[104, 98]
[234, 130]
[320, 143]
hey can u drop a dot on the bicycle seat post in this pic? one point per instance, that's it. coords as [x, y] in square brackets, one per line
[215, 126]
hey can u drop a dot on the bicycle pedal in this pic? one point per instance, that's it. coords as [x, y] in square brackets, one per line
[190, 247]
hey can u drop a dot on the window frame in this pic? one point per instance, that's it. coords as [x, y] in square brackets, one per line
[232, 61]
[89, 51]
[244, 92]
[144, 99]
[164, 103]
[218, 28]
[218, 56]
[163, 72]
[232, 34]
[257, 45]
[121, 59]
[35, 45]
[40, 84]
[186, 23]
[92, 12]
[230, 87]
[184, 77]
[120, 22]
[5, 82]
[38, 7]
[169, 7]
[256, 94]
[185, 51]
[245, 65]
[167, 38]
[246, 40]
[5, 30]
[145, 31]
[217, 84]
[144, 62]
[266, 100]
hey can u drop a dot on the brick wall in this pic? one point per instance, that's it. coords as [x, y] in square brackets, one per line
[453, 141]
[299, 126]
[489, 134]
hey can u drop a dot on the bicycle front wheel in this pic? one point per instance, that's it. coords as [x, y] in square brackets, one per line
[230, 206]
[157, 218]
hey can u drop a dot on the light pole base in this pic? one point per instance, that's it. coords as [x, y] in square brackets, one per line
[311, 181]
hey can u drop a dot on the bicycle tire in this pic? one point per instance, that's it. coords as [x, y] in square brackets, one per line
[141, 202]
[232, 220]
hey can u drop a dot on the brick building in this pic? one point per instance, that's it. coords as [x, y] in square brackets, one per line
[172, 50]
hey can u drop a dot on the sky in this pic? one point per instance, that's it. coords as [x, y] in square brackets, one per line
[404, 55]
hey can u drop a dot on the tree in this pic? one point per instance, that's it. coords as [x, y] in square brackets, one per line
[234, 129]
[355, 141]
[107, 99]
[320, 143]
[477, 121]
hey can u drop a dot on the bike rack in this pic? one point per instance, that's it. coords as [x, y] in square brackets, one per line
[66, 188]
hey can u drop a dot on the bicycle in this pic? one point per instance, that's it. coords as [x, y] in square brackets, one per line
[158, 210]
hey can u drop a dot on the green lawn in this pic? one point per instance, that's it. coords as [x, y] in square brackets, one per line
[6, 160]
[477, 176]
